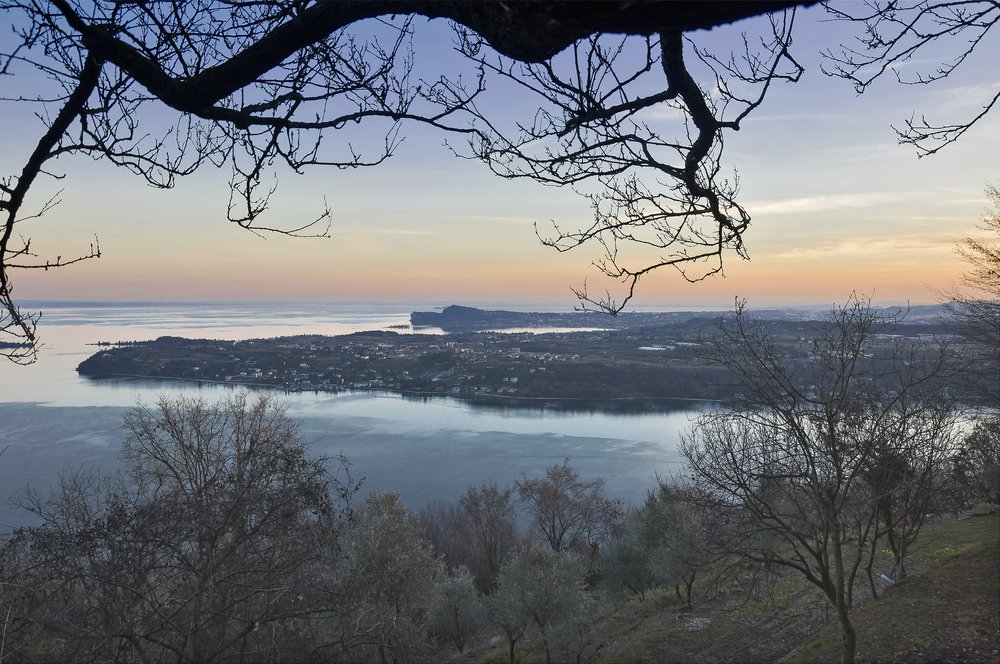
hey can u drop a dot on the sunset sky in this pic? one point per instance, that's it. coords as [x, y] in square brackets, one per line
[837, 206]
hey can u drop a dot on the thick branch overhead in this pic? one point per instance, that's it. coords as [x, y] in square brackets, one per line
[257, 85]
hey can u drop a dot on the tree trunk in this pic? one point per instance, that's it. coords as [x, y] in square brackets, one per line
[848, 639]
[868, 569]
[890, 535]
[459, 638]
[688, 584]
[900, 566]
[871, 557]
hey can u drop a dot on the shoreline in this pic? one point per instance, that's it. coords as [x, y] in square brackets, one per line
[483, 399]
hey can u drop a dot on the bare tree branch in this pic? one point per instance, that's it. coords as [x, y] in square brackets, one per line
[258, 86]
[662, 195]
[894, 33]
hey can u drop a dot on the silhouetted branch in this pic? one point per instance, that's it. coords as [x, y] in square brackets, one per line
[656, 195]
[894, 32]
[261, 85]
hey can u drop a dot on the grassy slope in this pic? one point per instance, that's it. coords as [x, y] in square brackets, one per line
[948, 610]
[951, 613]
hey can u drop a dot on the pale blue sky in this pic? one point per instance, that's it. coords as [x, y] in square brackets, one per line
[837, 206]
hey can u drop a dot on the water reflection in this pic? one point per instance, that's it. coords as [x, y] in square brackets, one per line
[428, 448]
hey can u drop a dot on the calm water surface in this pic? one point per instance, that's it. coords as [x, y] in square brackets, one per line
[53, 421]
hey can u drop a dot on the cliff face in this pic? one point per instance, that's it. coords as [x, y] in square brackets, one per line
[456, 315]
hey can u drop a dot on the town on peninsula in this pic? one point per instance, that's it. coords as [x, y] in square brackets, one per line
[634, 361]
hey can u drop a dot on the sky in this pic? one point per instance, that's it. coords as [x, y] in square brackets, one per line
[837, 206]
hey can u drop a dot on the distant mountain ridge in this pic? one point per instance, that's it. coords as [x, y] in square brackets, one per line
[459, 318]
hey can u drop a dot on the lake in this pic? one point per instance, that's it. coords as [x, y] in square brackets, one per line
[54, 421]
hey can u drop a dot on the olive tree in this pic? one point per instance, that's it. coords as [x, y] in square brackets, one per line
[627, 565]
[396, 571]
[456, 611]
[540, 592]
[681, 533]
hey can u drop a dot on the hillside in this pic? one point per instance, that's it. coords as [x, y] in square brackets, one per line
[951, 613]
[947, 610]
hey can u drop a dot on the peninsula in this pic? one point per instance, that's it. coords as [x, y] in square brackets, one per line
[619, 369]
[638, 366]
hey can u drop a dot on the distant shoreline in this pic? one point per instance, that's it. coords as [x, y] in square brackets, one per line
[474, 360]
[481, 398]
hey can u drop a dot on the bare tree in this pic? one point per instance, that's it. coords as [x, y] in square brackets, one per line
[19, 630]
[493, 520]
[478, 532]
[254, 85]
[791, 468]
[896, 35]
[973, 306]
[664, 195]
[447, 529]
[567, 512]
[258, 85]
[204, 548]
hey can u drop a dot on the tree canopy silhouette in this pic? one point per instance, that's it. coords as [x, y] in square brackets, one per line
[254, 86]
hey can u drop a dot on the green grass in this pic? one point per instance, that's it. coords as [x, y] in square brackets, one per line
[948, 609]
[783, 619]
[950, 612]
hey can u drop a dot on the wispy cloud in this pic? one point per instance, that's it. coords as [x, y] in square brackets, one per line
[818, 203]
[866, 246]
[498, 219]
[961, 98]
[400, 231]
[793, 117]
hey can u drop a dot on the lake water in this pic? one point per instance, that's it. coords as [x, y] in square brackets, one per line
[53, 421]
